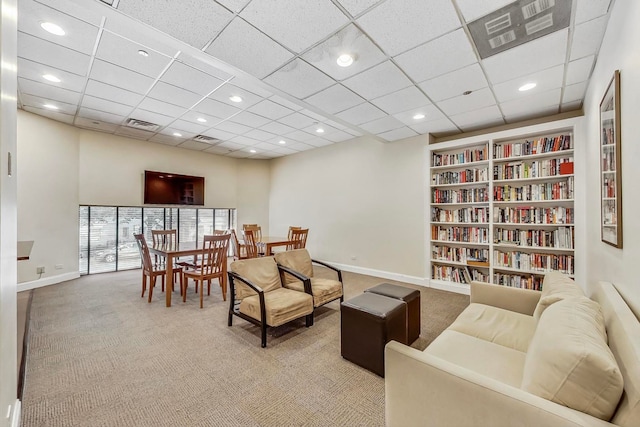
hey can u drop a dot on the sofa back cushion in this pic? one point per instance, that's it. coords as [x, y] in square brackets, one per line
[262, 272]
[298, 260]
[569, 362]
[556, 287]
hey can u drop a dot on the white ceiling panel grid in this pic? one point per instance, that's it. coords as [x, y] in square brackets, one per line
[299, 79]
[455, 83]
[378, 81]
[335, 99]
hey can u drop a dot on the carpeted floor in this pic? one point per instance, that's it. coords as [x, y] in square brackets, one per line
[99, 355]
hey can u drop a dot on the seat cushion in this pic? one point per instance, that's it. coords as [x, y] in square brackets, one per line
[569, 362]
[298, 260]
[501, 363]
[497, 325]
[282, 305]
[262, 272]
[556, 287]
[324, 290]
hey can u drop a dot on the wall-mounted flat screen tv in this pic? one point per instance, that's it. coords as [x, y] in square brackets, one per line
[162, 188]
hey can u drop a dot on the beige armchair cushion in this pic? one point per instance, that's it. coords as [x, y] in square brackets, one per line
[282, 305]
[324, 290]
[569, 362]
[298, 260]
[556, 287]
[262, 272]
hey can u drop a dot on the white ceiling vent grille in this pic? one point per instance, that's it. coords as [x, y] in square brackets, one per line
[539, 24]
[206, 139]
[141, 124]
[502, 39]
[500, 23]
[537, 7]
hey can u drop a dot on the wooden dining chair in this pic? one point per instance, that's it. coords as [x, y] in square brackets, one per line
[165, 238]
[214, 259]
[153, 270]
[279, 249]
[257, 236]
[239, 249]
[250, 246]
[298, 239]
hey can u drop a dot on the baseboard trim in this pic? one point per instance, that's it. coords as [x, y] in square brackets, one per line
[414, 280]
[450, 287]
[52, 280]
[15, 415]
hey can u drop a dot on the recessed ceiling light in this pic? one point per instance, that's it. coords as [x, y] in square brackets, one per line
[282, 142]
[418, 116]
[345, 60]
[143, 53]
[235, 98]
[51, 78]
[177, 134]
[320, 130]
[201, 120]
[52, 28]
[50, 106]
[252, 151]
[527, 86]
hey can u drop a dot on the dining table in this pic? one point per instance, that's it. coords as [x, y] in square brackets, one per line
[270, 242]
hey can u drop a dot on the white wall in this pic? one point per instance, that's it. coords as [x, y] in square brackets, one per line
[362, 199]
[619, 51]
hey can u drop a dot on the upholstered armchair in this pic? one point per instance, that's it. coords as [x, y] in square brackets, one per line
[257, 295]
[299, 260]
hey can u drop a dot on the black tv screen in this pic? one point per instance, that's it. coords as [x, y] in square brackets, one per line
[162, 188]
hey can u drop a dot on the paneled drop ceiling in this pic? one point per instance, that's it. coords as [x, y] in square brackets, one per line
[171, 72]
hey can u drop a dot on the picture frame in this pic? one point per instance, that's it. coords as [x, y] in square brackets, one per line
[610, 165]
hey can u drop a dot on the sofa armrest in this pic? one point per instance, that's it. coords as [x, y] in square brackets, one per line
[425, 390]
[513, 299]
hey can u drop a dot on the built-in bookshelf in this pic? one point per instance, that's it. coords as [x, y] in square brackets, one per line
[501, 210]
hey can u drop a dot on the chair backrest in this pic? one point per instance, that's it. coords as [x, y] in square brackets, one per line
[144, 252]
[257, 231]
[214, 254]
[298, 239]
[250, 244]
[298, 260]
[262, 272]
[291, 228]
[164, 237]
[235, 243]
[220, 232]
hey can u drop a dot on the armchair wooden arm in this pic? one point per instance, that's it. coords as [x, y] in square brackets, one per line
[232, 301]
[324, 264]
[306, 281]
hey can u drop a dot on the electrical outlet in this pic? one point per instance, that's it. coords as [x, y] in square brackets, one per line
[40, 270]
[59, 266]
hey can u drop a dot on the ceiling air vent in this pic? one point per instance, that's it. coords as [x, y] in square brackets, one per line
[141, 124]
[206, 139]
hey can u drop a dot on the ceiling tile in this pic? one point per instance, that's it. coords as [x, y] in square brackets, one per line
[234, 5]
[216, 149]
[397, 26]
[123, 52]
[286, 103]
[539, 54]
[218, 134]
[474, 9]
[150, 117]
[226, 91]
[396, 134]
[260, 135]
[194, 145]
[207, 64]
[293, 26]
[299, 136]
[245, 141]
[95, 124]
[185, 125]
[144, 35]
[277, 128]
[377, 81]
[235, 128]
[34, 71]
[297, 120]
[165, 108]
[193, 116]
[100, 116]
[356, 7]
[587, 37]
[300, 146]
[455, 83]
[190, 79]
[335, 98]
[205, 18]
[545, 80]
[174, 95]
[39, 102]
[45, 90]
[315, 116]
[579, 70]
[319, 142]
[240, 154]
[250, 119]
[44, 52]
[402, 100]
[439, 127]
[169, 131]
[463, 103]
[270, 109]
[520, 107]
[313, 130]
[166, 139]
[338, 136]
[246, 48]
[113, 93]
[574, 92]
[215, 108]
[349, 40]
[361, 114]
[106, 72]
[231, 145]
[480, 118]
[299, 79]
[382, 125]
[79, 11]
[55, 115]
[263, 146]
[285, 151]
[106, 106]
[586, 10]
[420, 65]
[430, 113]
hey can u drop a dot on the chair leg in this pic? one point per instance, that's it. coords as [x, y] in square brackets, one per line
[201, 293]
[230, 322]
[223, 286]
[183, 289]
[163, 283]
[152, 284]
[309, 320]
[144, 284]
[264, 335]
[208, 287]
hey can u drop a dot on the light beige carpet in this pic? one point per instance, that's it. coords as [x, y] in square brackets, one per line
[100, 355]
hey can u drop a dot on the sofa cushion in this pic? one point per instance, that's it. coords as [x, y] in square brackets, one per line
[282, 305]
[569, 362]
[497, 325]
[262, 272]
[298, 260]
[556, 287]
[324, 290]
[501, 363]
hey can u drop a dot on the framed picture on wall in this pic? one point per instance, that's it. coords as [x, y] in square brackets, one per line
[610, 174]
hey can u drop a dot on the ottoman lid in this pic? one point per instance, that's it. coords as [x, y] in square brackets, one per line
[393, 291]
[374, 304]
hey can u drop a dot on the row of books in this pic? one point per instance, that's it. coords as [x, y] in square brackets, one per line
[533, 215]
[460, 234]
[560, 238]
[609, 216]
[460, 177]
[458, 254]
[608, 133]
[518, 281]
[471, 214]
[533, 261]
[467, 156]
[608, 160]
[560, 190]
[457, 274]
[534, 169]
[609, 186]
[463, 195]
[537, 146]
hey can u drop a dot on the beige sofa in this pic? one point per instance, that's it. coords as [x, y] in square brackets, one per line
[523, 358]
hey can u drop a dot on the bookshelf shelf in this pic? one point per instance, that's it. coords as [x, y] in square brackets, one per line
[532, 180]
[511, 246]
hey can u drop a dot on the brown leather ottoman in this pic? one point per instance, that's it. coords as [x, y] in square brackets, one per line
[367, 323]
[412, 298]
